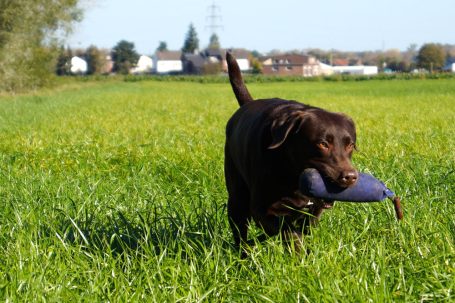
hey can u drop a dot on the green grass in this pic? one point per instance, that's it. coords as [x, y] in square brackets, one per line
[114, 191]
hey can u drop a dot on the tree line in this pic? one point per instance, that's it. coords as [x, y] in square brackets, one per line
[123, 55]
[430, 56]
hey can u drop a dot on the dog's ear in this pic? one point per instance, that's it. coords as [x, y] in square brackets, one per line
[282, 126]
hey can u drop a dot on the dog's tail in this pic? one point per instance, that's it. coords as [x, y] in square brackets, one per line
[235, 76]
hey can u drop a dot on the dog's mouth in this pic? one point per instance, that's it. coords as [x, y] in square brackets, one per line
[325, 204]
[336, 179]
[320, 203]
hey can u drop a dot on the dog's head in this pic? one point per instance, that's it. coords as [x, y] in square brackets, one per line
[319, 139]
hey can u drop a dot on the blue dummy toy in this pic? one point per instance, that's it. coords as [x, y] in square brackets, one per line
[366, 189]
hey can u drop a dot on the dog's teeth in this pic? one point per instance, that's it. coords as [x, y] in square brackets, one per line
[309, 203]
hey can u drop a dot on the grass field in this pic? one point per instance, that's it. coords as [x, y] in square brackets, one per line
[114, 191]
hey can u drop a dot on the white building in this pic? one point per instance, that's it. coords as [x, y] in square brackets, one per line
[244, 64]
[78, 65]
[168, 62]
[144, 65]
[325, 69]
[450, 68]
[356, 70]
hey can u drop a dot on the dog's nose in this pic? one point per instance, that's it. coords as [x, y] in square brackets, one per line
[348, 178]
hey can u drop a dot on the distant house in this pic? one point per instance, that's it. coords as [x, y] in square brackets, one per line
[208, 61]
[108, 66]
[193, 64]
[212, 61]
[144, 65]
[340, 62]
[78, 65]
[291, 65]
[214, 55]
[356, 70]
[309, 66]
[168, 62]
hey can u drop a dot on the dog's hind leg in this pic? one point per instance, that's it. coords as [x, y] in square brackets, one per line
[238, 218]
[238, 203]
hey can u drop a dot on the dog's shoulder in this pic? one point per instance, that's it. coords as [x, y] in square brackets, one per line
[261, 113]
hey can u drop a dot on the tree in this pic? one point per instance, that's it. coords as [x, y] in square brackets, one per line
[162, 47]
[256, 65]
[29, 35]
[255, 54]
[191, 43]
[393, 60]
[409, 57]
[211, 69]
[214, 42]
[96, 60]
[124, 56]
[431, 56]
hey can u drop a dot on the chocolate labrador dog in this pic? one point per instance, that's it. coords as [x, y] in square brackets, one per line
[269, 142]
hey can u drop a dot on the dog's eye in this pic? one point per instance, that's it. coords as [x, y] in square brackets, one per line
[323, 145]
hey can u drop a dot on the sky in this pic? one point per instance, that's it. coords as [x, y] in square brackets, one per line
[347, 25]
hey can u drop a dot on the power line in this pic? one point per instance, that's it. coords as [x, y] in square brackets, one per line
[214, 18]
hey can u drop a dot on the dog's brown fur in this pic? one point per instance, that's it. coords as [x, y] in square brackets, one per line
[269, 142]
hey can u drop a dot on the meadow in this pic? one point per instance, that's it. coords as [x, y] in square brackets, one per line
[114, 191]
